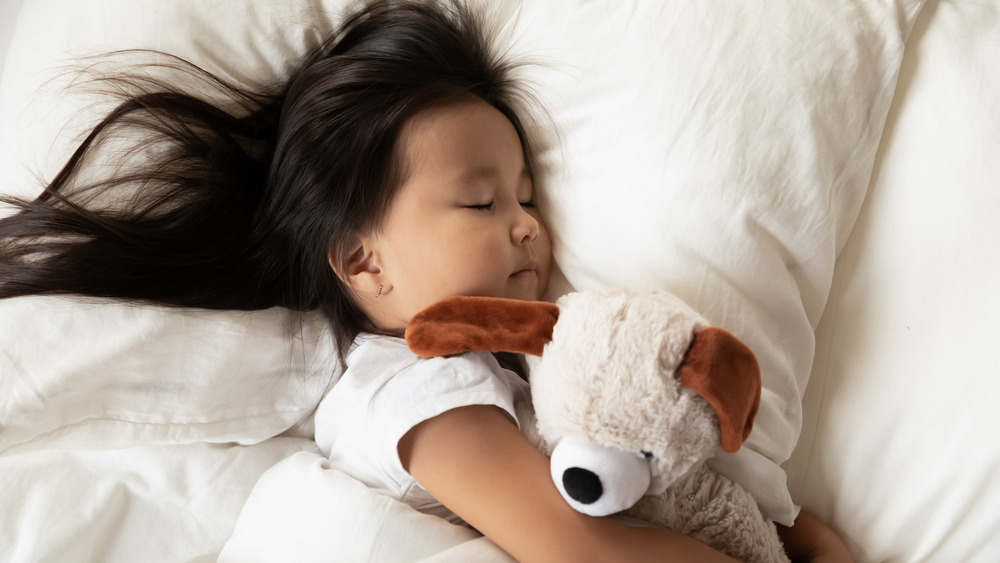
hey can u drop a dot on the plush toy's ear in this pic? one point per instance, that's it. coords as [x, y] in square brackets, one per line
[485, 324]
[724, 372]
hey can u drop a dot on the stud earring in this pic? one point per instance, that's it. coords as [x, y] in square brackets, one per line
[378, 291]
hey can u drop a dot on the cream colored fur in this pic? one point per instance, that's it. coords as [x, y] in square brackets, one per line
[609, 377]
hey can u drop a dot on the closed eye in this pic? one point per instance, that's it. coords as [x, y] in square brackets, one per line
[481, 207]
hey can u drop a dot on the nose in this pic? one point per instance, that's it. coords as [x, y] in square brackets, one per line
[525, 228]
[582, 485]
[598, 480]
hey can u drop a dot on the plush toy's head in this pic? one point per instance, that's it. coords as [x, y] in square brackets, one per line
[631, 379]
[633, 390]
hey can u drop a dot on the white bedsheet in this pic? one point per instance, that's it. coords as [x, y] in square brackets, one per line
[898, 455]
[144, 503]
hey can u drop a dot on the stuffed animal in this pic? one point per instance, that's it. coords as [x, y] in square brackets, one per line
[631, 394]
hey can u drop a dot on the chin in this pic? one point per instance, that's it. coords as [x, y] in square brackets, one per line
[525, 294]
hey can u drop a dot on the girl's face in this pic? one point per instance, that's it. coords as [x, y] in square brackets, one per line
[463, 222]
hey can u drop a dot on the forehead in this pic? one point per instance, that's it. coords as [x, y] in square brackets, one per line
[465, 139]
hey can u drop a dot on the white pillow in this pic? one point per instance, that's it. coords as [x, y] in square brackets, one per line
[102, 374]
[720, 150]
[41, 121]
[106, 374]
[900, 453]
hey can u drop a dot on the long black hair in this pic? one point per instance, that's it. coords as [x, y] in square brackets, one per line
[239, 197]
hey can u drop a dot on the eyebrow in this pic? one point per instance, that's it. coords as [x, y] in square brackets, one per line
[487, 172]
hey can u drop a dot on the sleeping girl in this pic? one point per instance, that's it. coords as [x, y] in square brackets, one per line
[392, 170]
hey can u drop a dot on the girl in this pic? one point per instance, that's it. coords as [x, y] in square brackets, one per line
[391, 171]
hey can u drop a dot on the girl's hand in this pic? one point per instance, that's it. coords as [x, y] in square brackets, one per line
[809, 539]
[477, 463]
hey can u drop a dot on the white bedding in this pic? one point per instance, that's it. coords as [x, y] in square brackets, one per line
[720, 150]
[899, 446]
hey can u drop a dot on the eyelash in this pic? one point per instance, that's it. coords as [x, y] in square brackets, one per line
[489, 206]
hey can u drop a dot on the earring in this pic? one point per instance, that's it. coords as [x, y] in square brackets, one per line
[378, 291]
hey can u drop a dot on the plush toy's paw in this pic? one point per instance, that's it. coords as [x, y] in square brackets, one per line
[597, 480]
[717, 512]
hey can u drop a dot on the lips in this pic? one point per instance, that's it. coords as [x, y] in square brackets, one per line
[528, 269]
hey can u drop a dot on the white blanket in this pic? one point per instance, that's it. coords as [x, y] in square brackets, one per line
[299, 503]
[720, 150]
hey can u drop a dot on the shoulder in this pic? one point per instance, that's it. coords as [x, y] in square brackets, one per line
[383, 366]
[392, 354]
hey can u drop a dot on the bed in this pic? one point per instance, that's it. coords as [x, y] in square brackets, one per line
[821, 178]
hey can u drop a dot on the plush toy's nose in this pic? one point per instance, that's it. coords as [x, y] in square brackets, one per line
[598, 480]
[582, 485]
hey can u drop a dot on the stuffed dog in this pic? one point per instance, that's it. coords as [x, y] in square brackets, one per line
[631, 394]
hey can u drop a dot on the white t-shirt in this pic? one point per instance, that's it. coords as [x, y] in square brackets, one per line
[387, 390]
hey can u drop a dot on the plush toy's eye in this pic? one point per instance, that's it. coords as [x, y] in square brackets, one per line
[597, 480]
[646, 454]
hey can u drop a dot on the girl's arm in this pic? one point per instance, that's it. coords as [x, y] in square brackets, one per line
[476, 462]
[809, 539]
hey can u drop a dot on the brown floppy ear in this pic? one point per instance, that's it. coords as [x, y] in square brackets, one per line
[724, 372]
[483, 324]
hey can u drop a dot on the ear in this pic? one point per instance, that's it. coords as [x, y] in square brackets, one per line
[724, 372]
[488, 324]
[361, 271]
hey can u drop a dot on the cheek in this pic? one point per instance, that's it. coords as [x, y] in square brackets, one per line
[543, 246]
[439, 259]
[543, 250]
[480, 254]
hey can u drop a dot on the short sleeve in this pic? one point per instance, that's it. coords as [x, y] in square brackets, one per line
[435, 386]
[369, 411]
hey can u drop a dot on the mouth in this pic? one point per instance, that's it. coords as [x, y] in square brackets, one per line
[527, 270]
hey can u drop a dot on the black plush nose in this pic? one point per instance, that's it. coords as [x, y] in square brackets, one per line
[582, 484]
